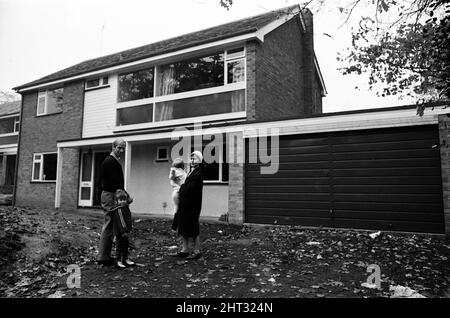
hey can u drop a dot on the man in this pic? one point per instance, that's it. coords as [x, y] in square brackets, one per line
[112, 180]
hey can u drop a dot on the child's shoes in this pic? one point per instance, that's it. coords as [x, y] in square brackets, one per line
[121, 265]
[129, 263]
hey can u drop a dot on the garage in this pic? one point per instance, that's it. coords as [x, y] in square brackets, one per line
[380, 179]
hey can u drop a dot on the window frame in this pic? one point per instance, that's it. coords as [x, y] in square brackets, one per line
[226, 87]
[45, 95]
[222, 154]
[101, 82]
[16, 122]
[41, 166]
[160, 159]
[133, 102]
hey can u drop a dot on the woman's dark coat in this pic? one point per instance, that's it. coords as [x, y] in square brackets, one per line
[190, 204]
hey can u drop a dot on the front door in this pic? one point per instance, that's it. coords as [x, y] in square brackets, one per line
[98, 159]
[90, 183]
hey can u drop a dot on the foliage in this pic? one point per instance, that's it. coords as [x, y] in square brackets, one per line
[402, 45]
[409, 58]
[7, 96]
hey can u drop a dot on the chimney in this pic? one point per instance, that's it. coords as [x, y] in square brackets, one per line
[308, 62]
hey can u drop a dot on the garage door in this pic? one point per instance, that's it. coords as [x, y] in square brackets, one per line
[385, 179]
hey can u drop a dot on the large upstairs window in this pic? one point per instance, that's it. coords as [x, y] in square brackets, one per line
[136, 85]
[209, 86]
[190, 75]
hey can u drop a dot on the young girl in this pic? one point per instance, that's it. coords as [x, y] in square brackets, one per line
[122, 225]
[177, 176]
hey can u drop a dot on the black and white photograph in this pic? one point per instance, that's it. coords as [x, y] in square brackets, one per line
[224, 156]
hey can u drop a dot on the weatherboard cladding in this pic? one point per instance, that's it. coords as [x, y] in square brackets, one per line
[220, 32]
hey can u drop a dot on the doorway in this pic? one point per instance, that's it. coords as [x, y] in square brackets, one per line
[90, 182]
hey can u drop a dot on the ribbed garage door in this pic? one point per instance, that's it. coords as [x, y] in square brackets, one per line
[386, 179]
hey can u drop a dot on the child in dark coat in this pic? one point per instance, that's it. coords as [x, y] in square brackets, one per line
[122, 225]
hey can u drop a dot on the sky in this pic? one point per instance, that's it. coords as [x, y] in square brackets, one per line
[40, 37]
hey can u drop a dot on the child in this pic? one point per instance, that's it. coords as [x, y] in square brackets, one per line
[177, 176]
[121, 216]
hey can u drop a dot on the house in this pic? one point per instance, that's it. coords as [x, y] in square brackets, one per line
[9, 132]
[233, 73]
[249, 94]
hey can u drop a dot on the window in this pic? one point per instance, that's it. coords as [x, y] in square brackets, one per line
[189, 75]
[235, 65]
[208, 85]
[50, 102]
[135, 115]
[162, 153]
[16, 124]
[136, 85]
[216, 171]
[44, 166]
[213, 104]
[97, 82]
[9, 125]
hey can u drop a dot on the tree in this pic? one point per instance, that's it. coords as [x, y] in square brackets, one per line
[410, 57]
[402, 45]
[8, 96]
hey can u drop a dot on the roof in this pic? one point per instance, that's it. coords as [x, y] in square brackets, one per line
[221, 32]
[10, 108]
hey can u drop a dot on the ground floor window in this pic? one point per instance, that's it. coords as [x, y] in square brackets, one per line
[44, 166]
[216, 171]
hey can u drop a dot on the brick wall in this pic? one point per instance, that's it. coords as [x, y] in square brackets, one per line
[283, 70]
[40, 134]
[236, 183]
[444, 131]
[251, 72]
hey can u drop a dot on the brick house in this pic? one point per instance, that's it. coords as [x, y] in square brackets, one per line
[258, 68]
[9, 132]
[383, 169]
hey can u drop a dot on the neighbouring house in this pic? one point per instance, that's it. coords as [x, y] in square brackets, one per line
[378, 169]
[9, 132]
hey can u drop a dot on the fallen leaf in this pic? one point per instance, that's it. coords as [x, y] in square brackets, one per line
[57, 294]
[370, 286]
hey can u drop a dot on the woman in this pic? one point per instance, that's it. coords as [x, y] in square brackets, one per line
[190, 203]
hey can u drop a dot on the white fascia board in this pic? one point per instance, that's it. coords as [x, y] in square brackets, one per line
[10, 115]
[346, 122]
[178, 132]
[338, 122]
[217, 44]
[280, 21]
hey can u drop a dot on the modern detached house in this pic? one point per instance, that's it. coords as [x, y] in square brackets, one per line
[383, 169]
[258, 68]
